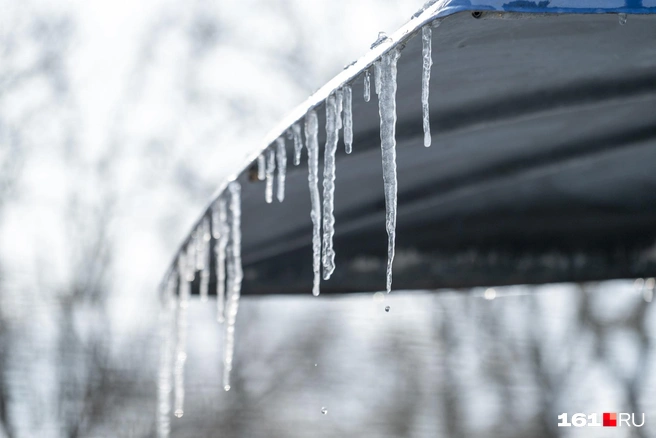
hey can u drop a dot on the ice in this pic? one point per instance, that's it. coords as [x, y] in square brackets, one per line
[270, 169]
[235, 275]
[185, 269]
[377, 78]
[166, 358]
[312, 144]
[339, 102]
[261, 167]
[221, 233]
[205, 238]
[425, 81]
[329, 187]
[367, 85]
[281, 157]
[348, 118]
[387, 112]
[622, 19]
[298, 143]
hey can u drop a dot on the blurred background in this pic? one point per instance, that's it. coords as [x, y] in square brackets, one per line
[118, 120]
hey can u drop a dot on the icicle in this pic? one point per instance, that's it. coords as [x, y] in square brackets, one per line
[281, 158]
[221, 233]
[377, 78]
[329, 187]
[367, 85]
[186, 269]
[425, 81]
[312, 143]
[205, 256]
[261, 167]
[166, 358]
[387, 112]
[270, 169]
[348, 119]
[198, 247]
[298, 143]
[235, 275]
[339, 102]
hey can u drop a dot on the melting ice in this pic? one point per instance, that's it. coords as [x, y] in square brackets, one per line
[348, 118]
[281, 158]
[312, 144]
[425, 81]
[329, 187]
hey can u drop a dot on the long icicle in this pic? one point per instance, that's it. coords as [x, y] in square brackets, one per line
[329, 188]
[377, 76]
[281, 158]
[348, 118]
[205, 237]
[221, 233]
[298, 143]
[186, 273]
[235, 276]
[367, 85]
[426, 36]
[166, 358]
[312, 144]
[270, 169]
[387, 112]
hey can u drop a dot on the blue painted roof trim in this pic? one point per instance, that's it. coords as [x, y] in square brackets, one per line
[449, 7]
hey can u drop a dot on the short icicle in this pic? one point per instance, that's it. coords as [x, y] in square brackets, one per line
[281, 158]
[166, 357]
[312, 144]
[329, 187]
[367, 85]
[261, 167]
[348, 118]
[298, 143]
[270, 169]
[186, 274]
[339, 102]
[221, 233]
[235, 276]
[425, 81]
[205, 237]
[387, 112]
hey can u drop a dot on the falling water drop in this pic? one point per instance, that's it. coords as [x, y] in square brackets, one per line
[270, 169]
[281, 158]
[387, 112]
[179, 413]
[324, 410]
[348, 118]
[226, 388]
[329, 188]
[312, 144]
[622, 19]
[425, 81]
[387, 308]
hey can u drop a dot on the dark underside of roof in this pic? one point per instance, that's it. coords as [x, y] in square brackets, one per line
[541, 168]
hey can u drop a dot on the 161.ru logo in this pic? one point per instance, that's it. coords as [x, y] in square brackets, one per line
[609, 419]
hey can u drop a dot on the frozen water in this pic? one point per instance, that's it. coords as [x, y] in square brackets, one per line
[339, 101]
[387, 112]
[221, 233]
[367, 85]
[329, 187]
[298, 143]
[235, 276]
[425, 81]
[622, 19]
[312, 144]
[281, 157]
[261, 167]
[270, 169]
[205, 238]
[348, 118]
[377, 78]
[185, 264]
[166, 358]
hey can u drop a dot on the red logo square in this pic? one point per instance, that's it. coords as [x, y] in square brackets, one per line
[610, 419]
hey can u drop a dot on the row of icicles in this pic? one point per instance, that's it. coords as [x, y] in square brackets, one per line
[223, 224]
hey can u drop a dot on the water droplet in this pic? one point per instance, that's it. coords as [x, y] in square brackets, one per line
[387, 308]
[490, 294]
[638, 284]
[315, 364]
[622, 18]
[324, 410]
[227, 387]
[178, 413]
